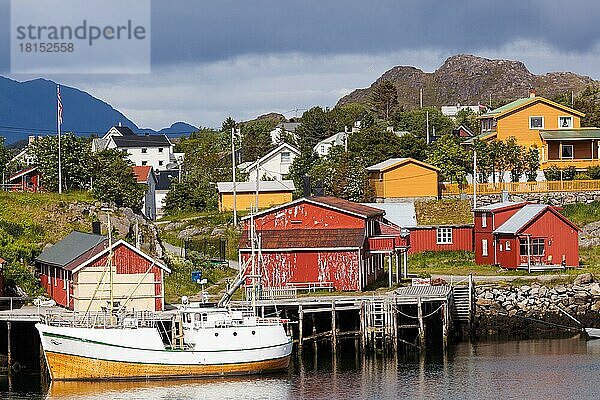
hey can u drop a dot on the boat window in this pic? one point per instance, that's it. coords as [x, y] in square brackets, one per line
[204, 318]
[216, 333]
[187, 317]
[234, 333]
[197, 317]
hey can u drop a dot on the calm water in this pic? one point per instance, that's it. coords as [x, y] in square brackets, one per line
[540, 369]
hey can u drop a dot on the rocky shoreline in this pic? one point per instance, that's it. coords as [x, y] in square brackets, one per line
[535, 309]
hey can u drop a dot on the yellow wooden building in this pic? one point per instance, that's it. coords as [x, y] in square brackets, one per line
[270, 193]
[553, 128]
[399, 179]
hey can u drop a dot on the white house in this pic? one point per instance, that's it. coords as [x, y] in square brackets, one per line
[452, 111]
[284, 127]
[339, 139]
[143, 150]
[275, 165]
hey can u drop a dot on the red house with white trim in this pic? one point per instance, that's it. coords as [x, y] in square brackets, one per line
[26, 180]
[525, 236]
[75, 273]
[322, 241]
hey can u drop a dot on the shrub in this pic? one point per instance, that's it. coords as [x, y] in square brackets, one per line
[594, 172]
[552, 173]
[568, 174]
[582, 176]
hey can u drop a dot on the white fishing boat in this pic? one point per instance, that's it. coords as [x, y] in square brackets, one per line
[593, 333]
[194, 340]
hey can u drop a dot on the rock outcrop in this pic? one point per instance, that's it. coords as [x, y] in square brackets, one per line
[468, 79]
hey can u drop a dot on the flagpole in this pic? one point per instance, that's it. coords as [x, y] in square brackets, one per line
[58, 123]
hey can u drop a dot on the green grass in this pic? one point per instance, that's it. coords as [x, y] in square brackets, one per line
[582, 213]
[447, 263]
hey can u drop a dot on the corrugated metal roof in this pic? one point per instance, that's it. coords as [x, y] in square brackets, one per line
[141, 141]
[401, 214]
[307, 238]
[386, 164]
[263, 186]
[496, 206]
[346, 205]
[571, 134]
[507, 107]
[521, 218]
[72, 247]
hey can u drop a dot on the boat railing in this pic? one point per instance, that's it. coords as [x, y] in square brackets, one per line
[138, 319]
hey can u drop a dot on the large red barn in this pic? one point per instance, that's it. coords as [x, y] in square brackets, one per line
[75, 273]
[525, 236]
[322, 241]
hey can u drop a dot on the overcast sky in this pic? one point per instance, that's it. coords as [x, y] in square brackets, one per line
[212, 59]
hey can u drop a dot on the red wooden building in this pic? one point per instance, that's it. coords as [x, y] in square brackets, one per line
[525, 236]
[425, 236]
[322, 241]
[75, 273]
[26, 180]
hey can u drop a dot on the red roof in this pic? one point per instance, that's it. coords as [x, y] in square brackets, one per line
[142, 173]
[347, 206]
[307, 238]
[22, 172]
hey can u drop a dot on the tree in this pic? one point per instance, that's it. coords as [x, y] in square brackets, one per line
[468, 119]
[532, 163]
[450, 157]
[415, 121]
[384, 98]
[76, 161]
[316, 126]
[4, 159]
[256, 138]
[485, 160]
[515, 158]
[228, 124]
[114, 181]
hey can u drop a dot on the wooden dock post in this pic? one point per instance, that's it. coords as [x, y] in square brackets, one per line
[445, 324]
[333, 327]
[9, 348]
[421, 324]
[394, 316]
[363, 327]
[314, 332]
[300, 326]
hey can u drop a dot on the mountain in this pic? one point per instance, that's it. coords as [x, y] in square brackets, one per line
[468, 79]
[177, 129]
[29, 107]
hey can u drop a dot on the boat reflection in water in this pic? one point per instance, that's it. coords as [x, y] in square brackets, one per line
[272, 387]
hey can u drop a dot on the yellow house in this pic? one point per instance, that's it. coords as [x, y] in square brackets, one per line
[270, 193]
[403, 178]
[553, 128]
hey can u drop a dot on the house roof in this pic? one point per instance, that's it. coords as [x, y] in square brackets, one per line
[263, 186]
[142, 141]
[498, 206]
[524, 102]
[394, 162]
[76, 245]
[334, 203]
[307, 238]
[21, 173]
[77, 266]
[401, 214]
[288, 126]
[335, 139]
[519, 220]
[142, 173]
[270, 154]
[464, 128]
[124, 130]
[481, 136]
[571, 134]
[443, 213]
[164, 178]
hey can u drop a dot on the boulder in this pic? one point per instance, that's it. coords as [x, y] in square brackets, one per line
[584, 279]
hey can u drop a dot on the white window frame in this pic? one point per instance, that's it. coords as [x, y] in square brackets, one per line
[484, 247]
[536, 127]
[444, 235]
[570, 117]
[484, 220]
[562, 148]
[288, 158]
[507, 245]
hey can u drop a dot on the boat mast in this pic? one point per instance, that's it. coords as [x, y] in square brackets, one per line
[253, 243]
[110, 260]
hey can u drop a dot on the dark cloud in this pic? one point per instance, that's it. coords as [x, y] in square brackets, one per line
[205, 31]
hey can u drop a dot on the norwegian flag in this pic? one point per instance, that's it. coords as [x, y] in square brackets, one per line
[60, 106]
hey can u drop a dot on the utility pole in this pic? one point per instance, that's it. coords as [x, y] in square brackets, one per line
[233, 173]
[59, 123]
[427, 124]
[421, 97]
[474, 178]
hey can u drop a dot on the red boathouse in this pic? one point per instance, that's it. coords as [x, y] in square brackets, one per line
[75, 274]
[323, 242]
[525, 236]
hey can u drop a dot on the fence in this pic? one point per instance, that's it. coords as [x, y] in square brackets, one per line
[449, 189]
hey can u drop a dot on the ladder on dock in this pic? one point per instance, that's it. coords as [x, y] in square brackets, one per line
[462, 296]
[378, 323]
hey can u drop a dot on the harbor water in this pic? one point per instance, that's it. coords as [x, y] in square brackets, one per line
[533, 369]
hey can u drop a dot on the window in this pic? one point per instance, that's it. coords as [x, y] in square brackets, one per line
[444, 235]
[285, 157]
[144, 151]
[536, 247]
[565, 122]
[536, 122]
[567, 151]
[160, 163]
[507, 245]
[144, 163]
[484, 247]
[484, 220]
[160, 149]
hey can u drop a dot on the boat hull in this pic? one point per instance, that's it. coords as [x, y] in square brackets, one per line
[106, 354]
[66, 367]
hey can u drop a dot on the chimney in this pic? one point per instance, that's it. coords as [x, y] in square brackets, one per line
[306, 192]
[119, 124]
[96, 228]
[531, 92]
